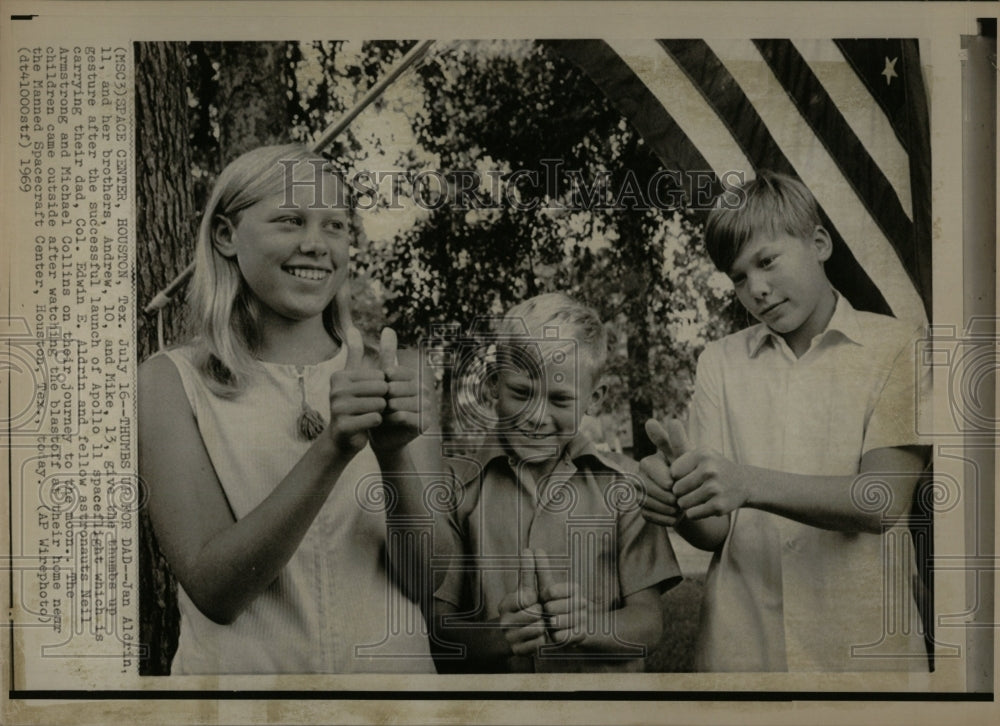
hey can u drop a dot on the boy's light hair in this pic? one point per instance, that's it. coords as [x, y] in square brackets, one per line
[226, 310]
[559, 323]
[773, 204]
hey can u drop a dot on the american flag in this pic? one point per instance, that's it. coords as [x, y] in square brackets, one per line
[847, 117]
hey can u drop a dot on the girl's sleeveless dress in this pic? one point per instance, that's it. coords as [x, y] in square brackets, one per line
[332, 608]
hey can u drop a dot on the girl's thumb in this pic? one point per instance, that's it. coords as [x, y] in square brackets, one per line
[355, 348]
[387, 349]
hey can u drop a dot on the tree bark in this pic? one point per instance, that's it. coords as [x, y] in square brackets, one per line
[166, 224]
[637, 284]
[253, 98]
[638, 279]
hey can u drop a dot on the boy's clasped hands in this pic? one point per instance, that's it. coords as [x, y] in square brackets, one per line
[543, 611]
[380, 405]
[687, 483]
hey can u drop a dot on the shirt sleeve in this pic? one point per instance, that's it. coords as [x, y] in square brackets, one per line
[898, 414]
[705, 412]
[645, 556]
[450, 538]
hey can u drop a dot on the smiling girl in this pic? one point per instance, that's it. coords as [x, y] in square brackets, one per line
[275, 452]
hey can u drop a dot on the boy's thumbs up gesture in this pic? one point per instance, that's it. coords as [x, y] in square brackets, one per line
[685, 482]
[357, 398]
[521, 614]
[569, 615]
[660, 505]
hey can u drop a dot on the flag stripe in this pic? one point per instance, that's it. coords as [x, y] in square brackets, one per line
[636, 102]
[671, 88]
[799, 147]
[844, 147]
[724, 95]
[865, 117]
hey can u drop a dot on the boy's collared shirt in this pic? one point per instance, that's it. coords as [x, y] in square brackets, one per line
[586, 517]
[782, 595]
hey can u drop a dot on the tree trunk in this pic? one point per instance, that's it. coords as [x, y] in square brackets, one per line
[166, 227]
[253, 98]
[638, 278]
[253, 110]
[640, 402]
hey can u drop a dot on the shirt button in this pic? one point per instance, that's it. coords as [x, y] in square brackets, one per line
[792, 545]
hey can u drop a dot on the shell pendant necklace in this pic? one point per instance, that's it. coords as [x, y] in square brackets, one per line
[310, 423]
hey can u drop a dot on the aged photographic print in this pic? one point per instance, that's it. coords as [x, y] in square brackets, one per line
[561, 195]
[379, 365]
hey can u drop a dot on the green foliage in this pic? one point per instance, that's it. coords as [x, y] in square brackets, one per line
[515, 106]
[505, 110]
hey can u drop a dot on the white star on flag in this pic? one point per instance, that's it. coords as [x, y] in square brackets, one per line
[890, 70]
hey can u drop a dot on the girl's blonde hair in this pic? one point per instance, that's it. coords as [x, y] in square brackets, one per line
[225, 308]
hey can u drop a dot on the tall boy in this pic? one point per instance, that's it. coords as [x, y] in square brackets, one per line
[806, 448]
[560, 572]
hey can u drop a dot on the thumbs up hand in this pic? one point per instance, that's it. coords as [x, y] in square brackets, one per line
[682, 481]
[357, 398]
[404, 399]
[521, 615]
[660, 505]
[707, 484]
[570, 616]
